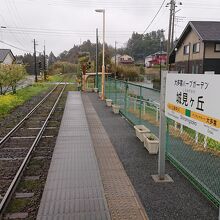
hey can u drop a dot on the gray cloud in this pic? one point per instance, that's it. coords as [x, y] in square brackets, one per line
[63, 23]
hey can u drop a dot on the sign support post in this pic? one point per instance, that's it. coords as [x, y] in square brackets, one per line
[161, 176]
[219, 214]
[162, 131]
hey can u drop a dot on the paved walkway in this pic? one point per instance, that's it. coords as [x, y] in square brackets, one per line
[73, 188]
[168, 201]
[84, 160]
[121, 197]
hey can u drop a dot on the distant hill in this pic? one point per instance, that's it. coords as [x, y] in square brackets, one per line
[88, 47]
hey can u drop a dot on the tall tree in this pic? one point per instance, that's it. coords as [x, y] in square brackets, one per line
[140, 45]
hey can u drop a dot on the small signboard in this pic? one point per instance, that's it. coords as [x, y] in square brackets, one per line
[193, 100]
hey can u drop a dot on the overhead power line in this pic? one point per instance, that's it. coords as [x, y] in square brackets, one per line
[20, 18]
[151, 22]
[14, 20]
[60, 30]
[64, 33]
[15, 47]
[92, 4]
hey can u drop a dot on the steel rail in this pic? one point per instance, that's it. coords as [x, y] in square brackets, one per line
[15, 181]
[5, 138]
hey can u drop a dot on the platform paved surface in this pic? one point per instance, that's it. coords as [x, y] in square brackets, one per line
[73, 188]
[169, 201]
[86, 179]
[121, 197]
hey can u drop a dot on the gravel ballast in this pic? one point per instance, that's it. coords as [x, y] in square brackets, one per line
[178, 200]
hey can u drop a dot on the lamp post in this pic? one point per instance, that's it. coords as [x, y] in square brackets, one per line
[161, 50]
[115, 58]
[97, 57]
[103, 54]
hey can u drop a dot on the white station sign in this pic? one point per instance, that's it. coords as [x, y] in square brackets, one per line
[194, 101]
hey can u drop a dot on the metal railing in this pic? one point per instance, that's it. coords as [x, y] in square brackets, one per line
[195, 155]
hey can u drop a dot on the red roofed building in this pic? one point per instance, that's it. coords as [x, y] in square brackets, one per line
[156, 59]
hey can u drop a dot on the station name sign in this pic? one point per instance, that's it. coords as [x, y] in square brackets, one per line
[193, 100]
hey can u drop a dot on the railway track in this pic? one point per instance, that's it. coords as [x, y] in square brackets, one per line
[17, 147]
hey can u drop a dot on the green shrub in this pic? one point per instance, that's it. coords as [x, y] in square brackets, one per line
[62, 67]
[126, 72]
[10, 75]
[142, 70]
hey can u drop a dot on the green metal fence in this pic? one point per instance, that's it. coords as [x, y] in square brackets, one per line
[195, 155]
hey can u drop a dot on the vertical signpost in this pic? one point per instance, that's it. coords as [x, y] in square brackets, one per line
[140, 105]
[162, 132]
[162, 177]
[125, 98]
[115, 92]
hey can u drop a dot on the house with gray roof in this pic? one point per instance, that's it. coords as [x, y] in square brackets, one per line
[198, 48]
[6, 56]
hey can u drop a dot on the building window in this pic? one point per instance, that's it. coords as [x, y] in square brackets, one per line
[186, 49]
[217, 47]
[197, 69]
[196, 48]
[193, 69]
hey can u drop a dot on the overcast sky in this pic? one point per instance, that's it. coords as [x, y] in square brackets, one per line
[63, 23]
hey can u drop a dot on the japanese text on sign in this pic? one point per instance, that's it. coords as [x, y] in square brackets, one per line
[189, 101]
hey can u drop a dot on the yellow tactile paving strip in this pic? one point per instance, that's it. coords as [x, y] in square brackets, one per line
[122, 200]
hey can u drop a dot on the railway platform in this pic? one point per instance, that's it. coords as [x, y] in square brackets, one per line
[86, 179]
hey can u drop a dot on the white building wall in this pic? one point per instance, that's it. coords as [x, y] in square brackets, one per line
[126, 58]
[147, 61]
[8, 59]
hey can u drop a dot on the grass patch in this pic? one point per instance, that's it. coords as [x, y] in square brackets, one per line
[55, 78]
[29, 185]
[11, 101]
[212, 144]
[70, 78]
[67, 77]
[17, 205]
[71, 87]
[36, 162]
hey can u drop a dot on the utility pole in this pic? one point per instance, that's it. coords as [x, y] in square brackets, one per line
[35, 61]
[172, 4]
[173, 25]
[45, 69]
[115, 58]
[161, 50]
[97, 58]
[170, 42]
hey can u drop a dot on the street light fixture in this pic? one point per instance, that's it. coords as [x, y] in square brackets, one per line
[2, 27]
[103, 54]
